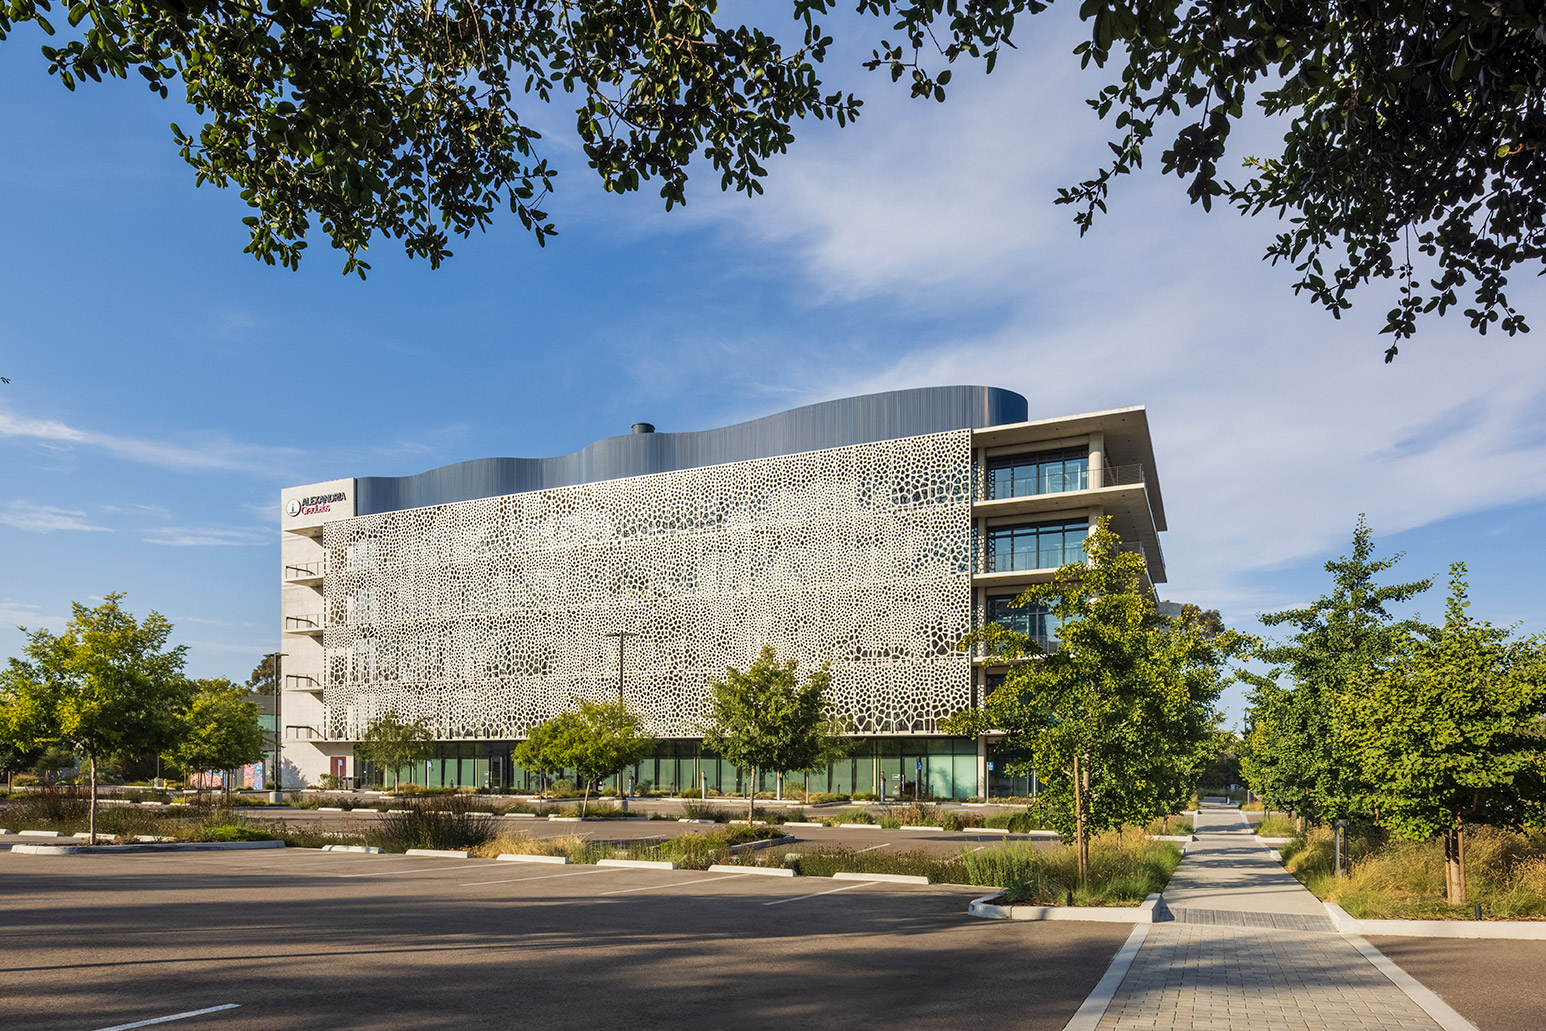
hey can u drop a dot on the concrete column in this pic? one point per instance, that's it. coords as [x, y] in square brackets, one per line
[982, 768]
[1097, 459]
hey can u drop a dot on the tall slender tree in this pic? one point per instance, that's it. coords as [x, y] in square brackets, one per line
[107, 684]
[1349, 636]
[1454, 734]
[1120, 713]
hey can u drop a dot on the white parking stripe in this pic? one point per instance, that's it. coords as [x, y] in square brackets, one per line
[814, 894]
[874, 847]
[542, 876]
[174, 1016]
[388, 873]
[677, 884]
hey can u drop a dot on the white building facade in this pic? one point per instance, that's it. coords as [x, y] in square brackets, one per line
[485, 597]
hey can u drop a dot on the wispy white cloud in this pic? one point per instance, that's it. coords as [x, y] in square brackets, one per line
[208, 536]
[34, 518]
[1274, 424]
[158, 511]
[15, 613]
[210, 453]
[210, 622]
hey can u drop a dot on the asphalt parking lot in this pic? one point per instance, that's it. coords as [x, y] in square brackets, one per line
[297, 939]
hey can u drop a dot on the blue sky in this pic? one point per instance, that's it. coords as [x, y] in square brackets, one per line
[165, 385]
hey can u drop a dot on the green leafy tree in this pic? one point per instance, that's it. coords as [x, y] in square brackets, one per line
[1413, 149]
[1292, 758]
[596, 740]
[764, 718]
[391, 742]
[264, 678]
[1453, 735]
[220, 730]
[1120, 714]
[108, 684]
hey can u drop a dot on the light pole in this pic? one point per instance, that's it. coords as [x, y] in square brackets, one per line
[277, 795]
[622, 638]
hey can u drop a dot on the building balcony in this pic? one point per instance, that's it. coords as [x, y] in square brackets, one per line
[305, 574]
[303, 682]
[301, 732]
[310, 623]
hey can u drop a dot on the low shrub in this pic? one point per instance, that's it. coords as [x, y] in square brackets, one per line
[39, 810]
[1172, 825]
[1404, 880]
[441, 822]
[687, 851]
[823, 798]
[865, 796]
[1276, 825]
[229, 832]
[596, 811]
[824, 862]
[1125, 868]
[703, 811]
[851, 816]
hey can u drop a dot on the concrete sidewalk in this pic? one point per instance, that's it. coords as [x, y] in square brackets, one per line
[1252, 948]
[1227, 878]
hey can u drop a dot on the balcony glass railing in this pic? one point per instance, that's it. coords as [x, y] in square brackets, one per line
[1035, 478]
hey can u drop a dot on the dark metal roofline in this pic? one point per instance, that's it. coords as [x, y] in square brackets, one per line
[827, 424]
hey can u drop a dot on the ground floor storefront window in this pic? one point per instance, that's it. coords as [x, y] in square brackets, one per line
[930, 767]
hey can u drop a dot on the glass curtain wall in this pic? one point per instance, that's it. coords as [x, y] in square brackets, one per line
[948, 770]
[1036, 545]
[1043, 472]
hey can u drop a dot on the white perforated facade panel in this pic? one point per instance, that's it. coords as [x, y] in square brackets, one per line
[489, 616]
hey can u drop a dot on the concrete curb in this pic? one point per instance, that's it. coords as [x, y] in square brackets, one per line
[440, 853]
[372, 849]
[186, 846]
[518, 857]
[752, 846]
[1530, 930]
[685, 820]
[563, 819]
[638, 864]
[801, 823]
[860, 826]
[520, 816]
[1271, 842]
[764, 871]
[886, 878]
[330, 809]
[990, 830]
[39, 834]
[1140, 914]
[1090, 1012]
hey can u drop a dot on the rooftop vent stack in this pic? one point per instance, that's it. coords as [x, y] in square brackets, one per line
[644, 427]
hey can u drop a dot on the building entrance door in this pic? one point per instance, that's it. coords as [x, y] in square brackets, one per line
[340, 764]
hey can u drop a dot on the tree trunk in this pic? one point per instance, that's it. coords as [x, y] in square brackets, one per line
[751, 796]
[1081, 836]
[93, 816]
[1454, 865]
[585, 801]
[807, 788]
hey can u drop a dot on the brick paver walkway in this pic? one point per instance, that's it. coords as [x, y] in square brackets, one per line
[1250, 949]
[1215, 977]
